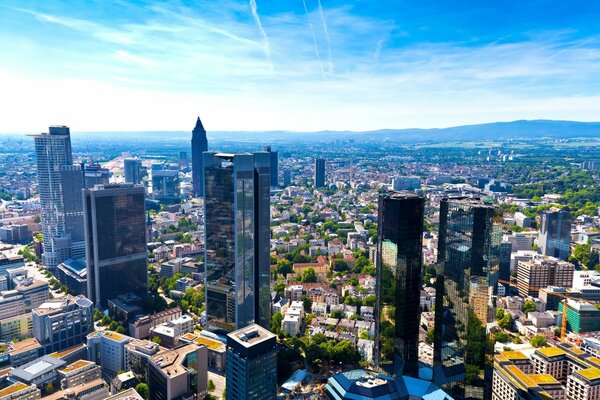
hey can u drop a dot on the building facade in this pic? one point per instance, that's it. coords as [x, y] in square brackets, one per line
[555, 234]
[468, 266]
[400, 259]
[116, 255]
[274, 166]
[237, 199]
[132, 168]
[319, 172]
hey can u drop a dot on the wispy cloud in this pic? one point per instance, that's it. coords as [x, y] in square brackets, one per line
[326, 31]
[314, 37]
[265, 38]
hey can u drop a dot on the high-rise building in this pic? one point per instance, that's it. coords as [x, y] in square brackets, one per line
[251, 364]
[60, 183]
[237, 210]
[555, 234]
[132, 168]
[199, 146]
[468, 266]
[319, 172]
[95, 175]
[184, 162]
[274, 165]
[63, 322]
[287, 177]
[504, 261]
[400, 259]
[180, 373]
[115, 222]
[165, 184]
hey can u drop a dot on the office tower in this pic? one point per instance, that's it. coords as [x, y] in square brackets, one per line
[165, 184]
[95, 175]
[542, 272]
[319, 172]
[60, 184]
[115, 223]
[555, 234]
[468, 264]
[180, 373]
[199, 146]
[504, 261]
[237, 210]
[400, 258]
[62, 322]
[274, 165]
[132, 168]
[184, 162]
[251, 364]
[287, 177]
[406, 183]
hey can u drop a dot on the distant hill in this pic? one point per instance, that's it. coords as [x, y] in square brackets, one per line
[526, 129]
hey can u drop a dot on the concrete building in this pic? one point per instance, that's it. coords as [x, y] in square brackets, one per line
[251, 364]
[107, 349]
[581, 317]
[21, 352]
[519, 241]
[542, 272]
[178, 372]
[522, 220]
[63, 322]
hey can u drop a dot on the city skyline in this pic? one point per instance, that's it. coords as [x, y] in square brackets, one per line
[308, 65]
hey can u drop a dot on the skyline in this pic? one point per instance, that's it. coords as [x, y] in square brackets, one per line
[301, 66]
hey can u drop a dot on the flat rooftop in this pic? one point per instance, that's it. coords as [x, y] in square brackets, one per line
[251, 335]
[169, 361]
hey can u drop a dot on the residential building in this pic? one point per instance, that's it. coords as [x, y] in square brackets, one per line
[400, 225]
[138, 353]
[178, 372]
[251, 364]
[319, 172]
[116, 253]
[140, 327]
[199, 146]
[62, 322]
[59, 184]
[468, 263]
[555, 234]
[237, 197]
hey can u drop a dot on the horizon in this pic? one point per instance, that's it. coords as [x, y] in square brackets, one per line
[296, 66]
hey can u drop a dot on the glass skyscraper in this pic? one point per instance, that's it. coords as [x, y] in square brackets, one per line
[399, 262]
[555, 234]
[132, 168]
[59, 184]
[319, 172]
[199, 146]
[237, 260]
[115, 226]
[468, 266]
[274, 157]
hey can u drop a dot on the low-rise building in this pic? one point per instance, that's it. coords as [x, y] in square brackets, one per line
[107, 349]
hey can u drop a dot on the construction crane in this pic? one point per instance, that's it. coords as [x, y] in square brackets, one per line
[566, 296]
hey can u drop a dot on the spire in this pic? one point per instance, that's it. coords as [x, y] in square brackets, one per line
[198, 127]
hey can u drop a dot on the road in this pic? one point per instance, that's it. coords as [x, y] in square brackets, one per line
[219, 381]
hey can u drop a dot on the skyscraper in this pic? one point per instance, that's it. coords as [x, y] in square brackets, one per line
[199, 146]
[60, 183]
[399, 262]
[115, 226]
[251, 364]
[274, 165]
[287, 177]
[165, 184]
[555, 234]
[468, 264]
[319, 172]
[132, 168]
[237, 210]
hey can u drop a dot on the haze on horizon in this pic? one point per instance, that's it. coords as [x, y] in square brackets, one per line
[306, 65]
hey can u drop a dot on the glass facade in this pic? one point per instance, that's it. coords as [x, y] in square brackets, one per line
[555, 234]
[116, 242]
[319, 172]
[237, 210]
[468, 266]
[199, 146]
[399, 265]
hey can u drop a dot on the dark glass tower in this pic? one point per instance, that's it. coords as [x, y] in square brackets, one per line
[115, 226]
[199, 146]
[237, 210]
[319, 172]
[468, 266]
[555, 234]
[132, 168]
[399, 262]
[274, 165]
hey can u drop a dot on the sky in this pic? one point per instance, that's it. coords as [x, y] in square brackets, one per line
[302, 65]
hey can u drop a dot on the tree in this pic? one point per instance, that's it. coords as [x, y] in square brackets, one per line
[105, 320]
[501, 337]
[499, 313]
[309, 275]
[155, 339]
[143, 390]
[429, 336]
[276, 320]
[345, 353]
[337, 314]
[529, 306]
[369, 300]
[279, 288]
[120, 330]
[538, 341]
[211, 386]
[284, 267]
[307, 303]
[340, 266]
[506, 321]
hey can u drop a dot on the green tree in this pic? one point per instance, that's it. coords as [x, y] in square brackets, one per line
[143, 390]
[211, 386]
[284, 267]
[276, 320]
[429, 336]
[307, 303]
[499, 313]
[337, 314]
[506, 321]
[538, 341]
[309, 275]
[340, 266]
[528, 306]
[501, 337]
[369, 300]
[279, 287]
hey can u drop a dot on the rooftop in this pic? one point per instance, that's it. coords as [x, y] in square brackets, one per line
[589, 373]
[12, 389]
[24, 345]
[170, 361]
[551, 351]
[251, 335]
[37, 367]
[514, 355]
[79, 364]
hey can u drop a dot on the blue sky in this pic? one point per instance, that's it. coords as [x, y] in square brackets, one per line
[295, 65]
